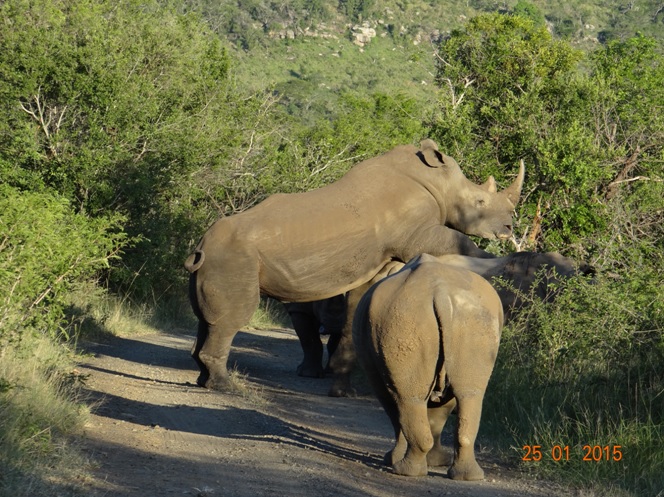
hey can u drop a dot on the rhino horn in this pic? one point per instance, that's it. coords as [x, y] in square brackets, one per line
[513, 191]
[490, 185]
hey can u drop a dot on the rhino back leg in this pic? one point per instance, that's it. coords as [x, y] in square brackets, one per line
[388, 402]
[468, 384]
[439, 455]
[415, 427]
[465, 466]
[225, 302]
[412, 369]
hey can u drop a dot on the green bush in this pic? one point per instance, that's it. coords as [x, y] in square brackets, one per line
[511, 91]
[586, 370]
[124, 107]
[45, 251]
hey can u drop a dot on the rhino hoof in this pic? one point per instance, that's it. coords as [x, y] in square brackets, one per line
[310, 372]
[202, 380]
[466, 472]
[411, 467]
[337, 392]
[219, 384]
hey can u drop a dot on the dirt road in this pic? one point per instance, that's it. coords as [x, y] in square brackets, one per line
[154, 433]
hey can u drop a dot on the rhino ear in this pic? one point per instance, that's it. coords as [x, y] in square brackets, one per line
[429, 152]
[490, 185]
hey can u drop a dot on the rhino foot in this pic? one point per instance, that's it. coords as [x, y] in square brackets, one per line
[470, 471]
[341, 386]
[411, 466]
[310, 371]
[221, 384]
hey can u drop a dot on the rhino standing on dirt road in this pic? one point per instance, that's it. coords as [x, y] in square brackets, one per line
[314, 245]
[427, 337]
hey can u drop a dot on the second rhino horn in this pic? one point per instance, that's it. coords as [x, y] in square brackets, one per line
[513, 192]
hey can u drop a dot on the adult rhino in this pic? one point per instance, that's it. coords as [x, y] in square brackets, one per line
[317, 244]
[512, 276]
[427, 337]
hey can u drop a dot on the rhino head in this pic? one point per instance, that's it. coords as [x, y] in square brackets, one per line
[478, 210]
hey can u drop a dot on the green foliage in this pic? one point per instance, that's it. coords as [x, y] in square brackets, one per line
[529, 10]
[315, 156]
[132, 117]
[356, 10]
[121, 108]
[510, 91]
[586, 370]
[45, 251]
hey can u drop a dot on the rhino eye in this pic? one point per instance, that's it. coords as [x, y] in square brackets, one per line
[481, 202]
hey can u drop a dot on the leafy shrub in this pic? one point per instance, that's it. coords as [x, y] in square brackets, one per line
[586, 370]
[510, 91]
[124, 107]
[46, 250]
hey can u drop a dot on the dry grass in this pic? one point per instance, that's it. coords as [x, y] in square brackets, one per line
[39, 418]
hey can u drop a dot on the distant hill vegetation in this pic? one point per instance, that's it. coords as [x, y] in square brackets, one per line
[311, 50]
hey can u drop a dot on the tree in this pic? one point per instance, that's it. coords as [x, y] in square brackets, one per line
[124, 108]
[510, 91]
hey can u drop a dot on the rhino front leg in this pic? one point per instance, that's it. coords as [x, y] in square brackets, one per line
[465, 466]
[441, 240]
[439, 455]
[343, 357]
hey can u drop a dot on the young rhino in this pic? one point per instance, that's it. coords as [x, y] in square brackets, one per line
[427, 338]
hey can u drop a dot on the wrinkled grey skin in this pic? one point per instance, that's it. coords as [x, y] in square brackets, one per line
[308, 318]
[519, 272]
[427, 337]
[314, 245]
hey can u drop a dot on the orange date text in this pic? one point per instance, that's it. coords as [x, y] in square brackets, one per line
[589, 453]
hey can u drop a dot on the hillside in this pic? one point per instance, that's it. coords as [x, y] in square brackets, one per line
[310, 51]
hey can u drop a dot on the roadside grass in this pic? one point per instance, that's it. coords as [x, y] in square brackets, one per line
[270, 314]
[94, 313]
[40, 417]
[241, 386]
[579, 380]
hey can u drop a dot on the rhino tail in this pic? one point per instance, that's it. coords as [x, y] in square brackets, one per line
[439, 385]
[194, 261]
